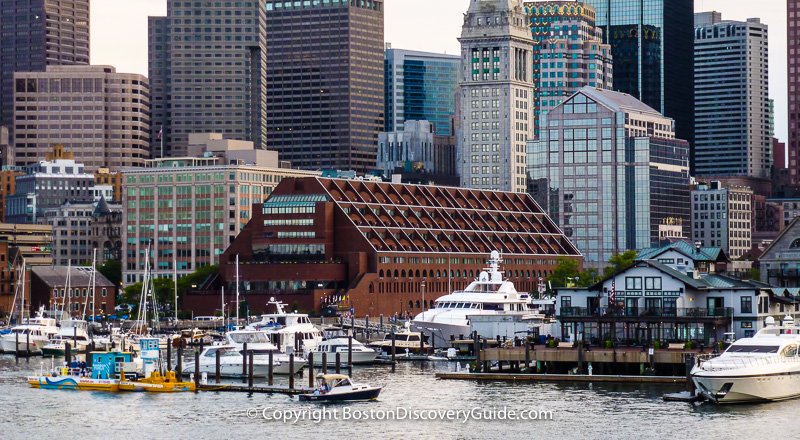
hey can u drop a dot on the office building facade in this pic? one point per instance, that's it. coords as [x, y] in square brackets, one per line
[568, 53]
[207, 70]
[610, 173]
[793, 71]
[723, 217]
[35, 34]
[189, 209]
[420, 86]
[732, 107]
[101, 116]
[651, 45]
[326, 86]
[495, 94]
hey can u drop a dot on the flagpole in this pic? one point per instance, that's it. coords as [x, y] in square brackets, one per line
[161, 135]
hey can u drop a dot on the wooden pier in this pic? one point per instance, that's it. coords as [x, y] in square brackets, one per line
[513, 377]
[254, 389]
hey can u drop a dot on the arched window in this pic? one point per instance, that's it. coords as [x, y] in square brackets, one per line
[403, 273]
[795, 244]
[371, 288]
[424, 273]
[396, 273]
[410, 305]
[380, 273]
[417, 304]
[416, 273]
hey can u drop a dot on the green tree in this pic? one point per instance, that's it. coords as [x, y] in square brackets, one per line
[163, 289]
[619, 262]
[566, 269]
[195, 278]
[112, 269]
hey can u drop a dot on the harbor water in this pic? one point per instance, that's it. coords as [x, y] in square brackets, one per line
[585, 410]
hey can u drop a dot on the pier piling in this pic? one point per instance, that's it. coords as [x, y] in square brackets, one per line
[338, 362]
[394, 349]
[350, 356]
[380, 320]
[244, 362]
[217, 375]
[527, 354]
[169, 354]
[689, 361]
[75, 337]
[196, 370]
[178, 362]
[28, 345]
[67, 353]
[324, 362]
[269, 370]
[311, 369]
[291, 371]
[250, 369]
[16, 345]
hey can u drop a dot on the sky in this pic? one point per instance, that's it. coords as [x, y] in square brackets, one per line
[119, 33]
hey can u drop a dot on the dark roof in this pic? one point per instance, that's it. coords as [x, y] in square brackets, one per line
[705, 282]
[785, 230]
[434, 219]
[101, 209]
[79, 276]
[703, 254]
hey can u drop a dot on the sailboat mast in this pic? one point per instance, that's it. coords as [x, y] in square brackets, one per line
[175, 279]
[237, 290]
[68, 299]
[94, 282]
[222, 305]
[22, 306]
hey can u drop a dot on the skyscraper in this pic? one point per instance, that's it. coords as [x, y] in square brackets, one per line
[35, 34]
[611, 173]
[101, 116]
[793, 66]
[420, 86]
[568, 53]
[731, 90]
[651, 44]
[495, 94]
[325, 82]
[207, 69]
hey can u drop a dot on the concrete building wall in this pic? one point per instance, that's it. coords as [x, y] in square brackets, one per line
[102, 116]
[732, 109]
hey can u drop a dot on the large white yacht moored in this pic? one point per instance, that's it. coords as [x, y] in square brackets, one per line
[763, 368]
[489, 294]
[282, 327]
[361, 354]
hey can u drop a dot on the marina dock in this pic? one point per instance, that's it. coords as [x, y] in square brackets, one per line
[254, 389]
[515, 377]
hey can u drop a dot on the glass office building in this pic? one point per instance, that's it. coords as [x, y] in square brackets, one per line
[420, 86]
[609, 171]
[652, 47]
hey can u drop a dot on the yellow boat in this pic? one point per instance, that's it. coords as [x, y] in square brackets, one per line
[157, 383]
[66, 379]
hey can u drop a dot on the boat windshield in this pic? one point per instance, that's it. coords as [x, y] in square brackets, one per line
[484, 287]
[764, 349]
[250, 338]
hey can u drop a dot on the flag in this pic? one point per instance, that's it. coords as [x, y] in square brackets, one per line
[612, 294]
[160, 132]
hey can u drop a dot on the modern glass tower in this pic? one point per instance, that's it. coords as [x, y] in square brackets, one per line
[325, 82]
[608, 169]
[652, 47]
[793, 66]
[420, 86]
[35, 34]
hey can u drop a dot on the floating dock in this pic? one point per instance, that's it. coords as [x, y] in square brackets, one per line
[254, 389]
[513, 377]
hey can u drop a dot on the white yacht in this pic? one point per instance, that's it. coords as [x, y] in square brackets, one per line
[488, 295]
[405, 341]
[763, 368]
[38, 331]
[361, 354]
[281, 327]
[231, 360]
[72, 331]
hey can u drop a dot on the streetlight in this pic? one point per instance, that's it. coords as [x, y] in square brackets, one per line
[422, 285]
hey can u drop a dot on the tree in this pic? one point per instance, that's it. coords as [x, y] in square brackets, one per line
[195, 278]
[619, 262]
[112, 270]
[163, 289]
[566, 269]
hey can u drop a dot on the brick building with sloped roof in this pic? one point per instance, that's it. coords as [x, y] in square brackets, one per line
[376, 247]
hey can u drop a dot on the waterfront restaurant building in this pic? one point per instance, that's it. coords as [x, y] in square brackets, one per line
[669, 294]
[380, 248]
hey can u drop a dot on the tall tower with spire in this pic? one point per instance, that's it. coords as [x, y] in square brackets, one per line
[495, 93]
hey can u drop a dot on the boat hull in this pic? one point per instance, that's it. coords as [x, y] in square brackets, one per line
[743, 389]
[442, 332]
[73, 383]
[8, 342]
[366, 394]
[359, 358]
[235, 370]
[158, 387]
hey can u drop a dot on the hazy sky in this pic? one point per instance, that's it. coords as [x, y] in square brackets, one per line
[119, 33]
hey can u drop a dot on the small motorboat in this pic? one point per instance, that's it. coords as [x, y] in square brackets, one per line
[340, 388]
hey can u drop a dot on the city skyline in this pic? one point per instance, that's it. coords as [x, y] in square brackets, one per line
[119, 34]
